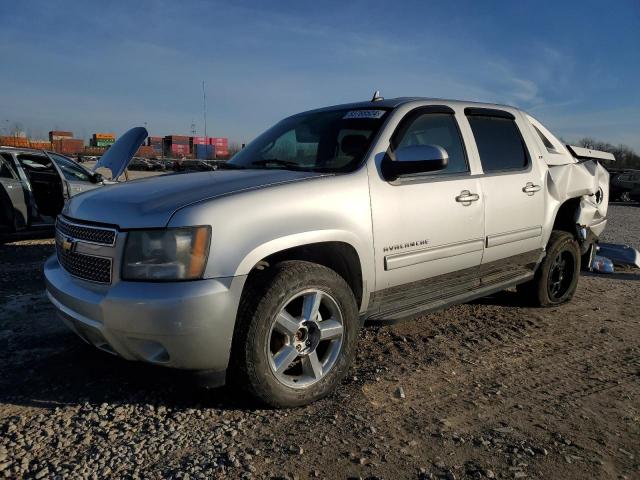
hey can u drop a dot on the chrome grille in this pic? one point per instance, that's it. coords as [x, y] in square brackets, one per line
[86, 233]
[87, 267]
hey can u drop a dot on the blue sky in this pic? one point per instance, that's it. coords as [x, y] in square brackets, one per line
[107, 66]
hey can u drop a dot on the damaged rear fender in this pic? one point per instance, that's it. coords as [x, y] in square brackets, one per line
[587, 181]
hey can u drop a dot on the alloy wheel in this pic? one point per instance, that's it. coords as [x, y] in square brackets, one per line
[305, 338]
[560, 275]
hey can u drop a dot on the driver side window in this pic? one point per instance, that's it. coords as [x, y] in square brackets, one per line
[437, 129]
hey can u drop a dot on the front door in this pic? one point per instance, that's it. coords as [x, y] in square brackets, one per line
[14, 214]
[427, 225]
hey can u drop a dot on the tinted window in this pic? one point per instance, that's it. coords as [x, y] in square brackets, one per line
[545, 140]
[437, 129]
[499, 143]
[5, 171]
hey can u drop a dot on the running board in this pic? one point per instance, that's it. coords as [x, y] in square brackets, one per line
[401, 314]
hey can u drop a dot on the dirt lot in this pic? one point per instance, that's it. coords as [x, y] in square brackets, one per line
[489, 389]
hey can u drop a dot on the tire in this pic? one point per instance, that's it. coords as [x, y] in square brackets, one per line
[265, 341]
[556, 278]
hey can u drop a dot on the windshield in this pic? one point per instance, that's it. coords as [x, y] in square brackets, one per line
[329, 141]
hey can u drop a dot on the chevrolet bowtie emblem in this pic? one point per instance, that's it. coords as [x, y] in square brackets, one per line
[67, 244]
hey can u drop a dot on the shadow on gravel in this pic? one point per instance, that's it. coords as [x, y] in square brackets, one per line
[60, 370]
[19, 253]
[21, 269]
[32, 235]
[626, 276]
[502, 299]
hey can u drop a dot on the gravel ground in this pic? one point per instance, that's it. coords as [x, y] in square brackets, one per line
[488, 389]
[625, 224]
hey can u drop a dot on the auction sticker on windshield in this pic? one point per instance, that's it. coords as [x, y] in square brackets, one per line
[364, 114]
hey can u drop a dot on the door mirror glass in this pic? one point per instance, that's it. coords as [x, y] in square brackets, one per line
[414, 159]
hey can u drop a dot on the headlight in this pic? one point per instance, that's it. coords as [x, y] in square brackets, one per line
[168, 254]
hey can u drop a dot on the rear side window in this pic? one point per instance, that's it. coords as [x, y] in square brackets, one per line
[545, 140]
[437, 129]
[499, 142]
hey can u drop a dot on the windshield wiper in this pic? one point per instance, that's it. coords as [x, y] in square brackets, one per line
[275, 161]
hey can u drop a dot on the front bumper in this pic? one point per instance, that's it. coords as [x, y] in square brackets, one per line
[187, 325]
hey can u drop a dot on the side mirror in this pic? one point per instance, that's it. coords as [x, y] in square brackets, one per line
[97, 178]
[413, 159]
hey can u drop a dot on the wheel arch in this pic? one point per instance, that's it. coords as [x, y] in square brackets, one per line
[338, 255]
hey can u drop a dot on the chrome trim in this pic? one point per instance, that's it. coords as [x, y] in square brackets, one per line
[407, 259]
[88, 279]
[61, 219]
[515, 236]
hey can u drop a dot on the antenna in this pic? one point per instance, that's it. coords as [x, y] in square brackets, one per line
[376, 97]
[204, 107]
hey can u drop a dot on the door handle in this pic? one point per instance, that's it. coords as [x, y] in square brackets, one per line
[530, 188]
[466, 197]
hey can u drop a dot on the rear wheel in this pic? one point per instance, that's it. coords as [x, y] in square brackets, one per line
[296, 334]
[556, 279]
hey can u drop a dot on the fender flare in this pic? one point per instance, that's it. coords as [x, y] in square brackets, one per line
[280, 244]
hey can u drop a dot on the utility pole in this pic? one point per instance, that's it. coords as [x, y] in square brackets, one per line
[204, 107]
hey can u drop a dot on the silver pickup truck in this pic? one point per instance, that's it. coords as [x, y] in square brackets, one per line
[263, 272]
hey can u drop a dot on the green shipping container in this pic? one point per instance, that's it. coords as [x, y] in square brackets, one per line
[104, 143]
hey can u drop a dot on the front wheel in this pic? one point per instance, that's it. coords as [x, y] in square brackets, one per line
[296, 334]
[556, 279]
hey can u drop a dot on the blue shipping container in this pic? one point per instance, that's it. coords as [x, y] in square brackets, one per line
[205, 152]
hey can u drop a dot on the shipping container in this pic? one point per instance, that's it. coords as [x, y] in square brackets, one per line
[178, 139]
[154, 141]
[40, 144]
[97, 151]
[59, 135]
[204, 152]
[104, 136]
[222, 141]
[68, 145]
[200, 141]
[146, 151]
[12, 141]
[179, 148]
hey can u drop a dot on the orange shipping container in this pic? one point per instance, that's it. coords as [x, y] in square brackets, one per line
[104, 136]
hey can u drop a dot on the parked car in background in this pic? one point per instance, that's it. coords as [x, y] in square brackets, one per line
[140, 164]
[34, 185]
[625, 185]
[264, 270]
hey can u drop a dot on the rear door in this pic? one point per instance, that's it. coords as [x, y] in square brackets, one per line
[14, 210]
[513, 186]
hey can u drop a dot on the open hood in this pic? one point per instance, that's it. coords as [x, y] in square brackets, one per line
[118, 156]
